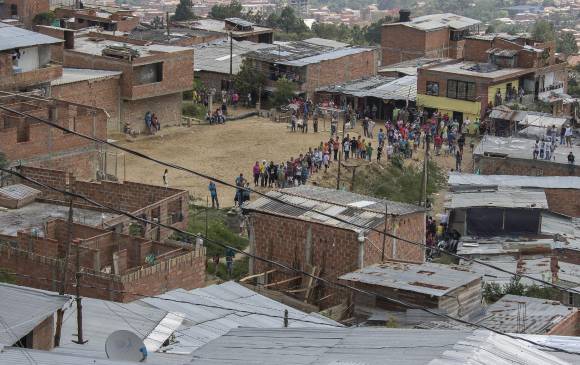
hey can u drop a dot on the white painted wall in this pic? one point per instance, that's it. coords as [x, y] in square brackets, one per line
[28, 60]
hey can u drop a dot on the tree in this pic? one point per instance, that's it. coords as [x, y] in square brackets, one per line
[373, 31]
[284, 92]
[287, 21]
[490, 29]
[248, 81]
[567, 44]
[183, 11]
[543, 31]
[44, 18]
[223, 11]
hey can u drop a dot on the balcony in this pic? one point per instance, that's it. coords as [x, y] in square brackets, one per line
[42, 75]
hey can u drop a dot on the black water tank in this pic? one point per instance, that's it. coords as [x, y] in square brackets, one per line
[404, 15]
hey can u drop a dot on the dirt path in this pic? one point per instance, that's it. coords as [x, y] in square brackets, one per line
[220, 150]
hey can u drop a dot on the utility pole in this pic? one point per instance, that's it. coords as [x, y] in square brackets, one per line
[167, 24]
[425, 173]
[80, 339]
[340, 154]
[385, 232]
[231, 59]
[64, 264]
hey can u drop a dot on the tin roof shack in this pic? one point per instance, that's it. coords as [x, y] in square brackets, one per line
[452, 290]
[23, 10]
[212, 61]
[496, 213]
[408, 68]
[28, 316]
[114, 19]
[301, 238]
[311, 66]
[153, 76]
[562, 192]
[176, 36]
[240, 29]
[387, 93]
[374, 346]
[25, 59]
[518, 314]
[514, 156]
[433, 36]
[27, 141]
[108, 260]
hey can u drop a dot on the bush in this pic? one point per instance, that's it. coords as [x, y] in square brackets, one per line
[240, 269]
[194, 110]
[492, 292]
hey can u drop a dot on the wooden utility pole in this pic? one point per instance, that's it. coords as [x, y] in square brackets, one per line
[231, 58]
[385, 232]
[80, 339]
[64, 265]
[425, 177]
[340, 152]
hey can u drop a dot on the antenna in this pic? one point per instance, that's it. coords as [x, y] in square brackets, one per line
[125, 346]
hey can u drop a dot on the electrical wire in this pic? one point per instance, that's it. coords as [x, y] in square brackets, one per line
[363, 227]
[287, 268]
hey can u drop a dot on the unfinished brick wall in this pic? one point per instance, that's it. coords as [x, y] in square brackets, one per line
[475, 50]
[564, 201]
[101, 93]
[569, 326]
[30, 142]
[43, 335]
[401, 43]
[333, 250]
[168, 109]
[26, 9]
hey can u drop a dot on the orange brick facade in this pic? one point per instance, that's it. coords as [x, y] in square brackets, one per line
[333, 250]
[488, 165]
[25, 10]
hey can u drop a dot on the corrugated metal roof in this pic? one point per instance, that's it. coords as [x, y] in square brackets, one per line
[215, 56]
[508, 198]
[203, 324]
[72, 75]
[457, 180]
[426, 278]
[538, 317]
[503, 147]
[326, 42]
[436, 21]
[386, 88]
[12, 37]
[543, 120]
[369, 346]
[502, 52]
[239, 22]
[306, 201]
[568, 343]
[332, 55]
[22, 309]
[505, 113]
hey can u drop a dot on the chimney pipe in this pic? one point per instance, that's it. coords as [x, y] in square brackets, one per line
[404, 15]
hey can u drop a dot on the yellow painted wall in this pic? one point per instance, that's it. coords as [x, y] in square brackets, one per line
[470, 109]
[493, 89]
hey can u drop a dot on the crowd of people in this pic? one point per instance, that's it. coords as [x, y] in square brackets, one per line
[152, 123]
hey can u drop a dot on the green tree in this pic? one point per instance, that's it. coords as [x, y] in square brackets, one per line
[183, 11]
[543, 31]
[284, 91]
[248, 80]
[373, 31]
[567, 44]
[223, 11]
[45, 18]
[287, 21]
[490, 29]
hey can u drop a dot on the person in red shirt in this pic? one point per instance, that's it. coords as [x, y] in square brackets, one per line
[438, 142]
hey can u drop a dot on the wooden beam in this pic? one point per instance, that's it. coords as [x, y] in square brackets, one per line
[281, 282]
[296, 290]
[310, 283]
[243, 280]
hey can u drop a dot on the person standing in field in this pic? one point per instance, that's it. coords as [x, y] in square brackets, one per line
[213, 192]
[166, 179]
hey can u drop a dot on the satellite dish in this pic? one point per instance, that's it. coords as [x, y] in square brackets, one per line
[125, 346]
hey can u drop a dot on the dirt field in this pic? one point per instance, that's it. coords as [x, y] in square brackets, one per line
[220, 150]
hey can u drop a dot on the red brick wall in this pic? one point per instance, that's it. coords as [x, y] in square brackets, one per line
[43, 335]
[166, 107]
[99, 93]
[339, 70]
[401, 43]
[27, 9]
[51, 148]
[333, 250]
[474, 50]
[569, 326]
[564, 201]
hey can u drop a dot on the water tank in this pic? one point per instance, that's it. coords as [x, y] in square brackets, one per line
[404, 15]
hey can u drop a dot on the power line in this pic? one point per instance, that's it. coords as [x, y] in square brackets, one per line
[283, 266]
[281, 201]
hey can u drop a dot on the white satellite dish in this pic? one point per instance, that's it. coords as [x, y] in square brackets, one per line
[125, 346]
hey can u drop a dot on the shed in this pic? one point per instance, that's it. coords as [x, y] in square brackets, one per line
[453, 290]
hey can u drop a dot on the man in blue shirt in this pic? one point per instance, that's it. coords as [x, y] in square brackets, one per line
[213, 192]
[381, 137]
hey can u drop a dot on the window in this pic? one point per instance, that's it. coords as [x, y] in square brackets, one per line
[460, 90]
[13, 10]
[432, 88]
[148, 74]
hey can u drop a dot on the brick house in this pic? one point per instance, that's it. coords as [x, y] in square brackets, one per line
[311, 66]
[433, 36]
[23, 10]
[153, 76]
[157, 203]
[25, 59]
[26, 141]
[308, 241]
[240, 29]
[492, 72]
